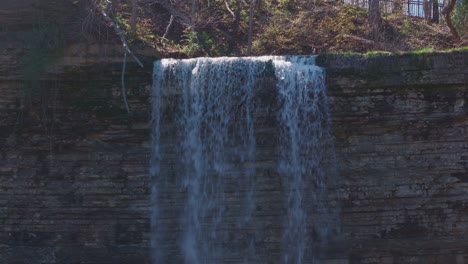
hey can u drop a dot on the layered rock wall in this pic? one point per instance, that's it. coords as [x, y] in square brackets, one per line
[74, 164]
[401, 126]
[74, 170]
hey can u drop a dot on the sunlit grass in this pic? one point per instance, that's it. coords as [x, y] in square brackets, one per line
[376, 53]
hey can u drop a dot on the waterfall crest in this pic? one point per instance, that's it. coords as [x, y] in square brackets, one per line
[211, 162]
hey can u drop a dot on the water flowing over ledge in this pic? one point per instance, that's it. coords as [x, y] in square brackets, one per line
[241, 160]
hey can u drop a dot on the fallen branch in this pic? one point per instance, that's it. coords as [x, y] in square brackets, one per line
[118, 31]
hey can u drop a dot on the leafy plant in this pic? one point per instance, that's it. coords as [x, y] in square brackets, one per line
[406, 28]
[191, 46]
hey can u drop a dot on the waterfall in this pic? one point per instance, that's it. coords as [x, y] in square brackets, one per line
[305, 138]
[222, 190]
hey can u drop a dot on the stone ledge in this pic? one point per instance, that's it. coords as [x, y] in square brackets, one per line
[365, 71]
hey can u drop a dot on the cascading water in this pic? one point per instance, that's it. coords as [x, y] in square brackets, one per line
[305, 138]
[209, 185]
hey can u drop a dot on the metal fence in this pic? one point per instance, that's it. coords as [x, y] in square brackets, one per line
[409, 7]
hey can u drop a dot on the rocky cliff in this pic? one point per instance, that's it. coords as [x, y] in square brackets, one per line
[74, 164]
[401, 125]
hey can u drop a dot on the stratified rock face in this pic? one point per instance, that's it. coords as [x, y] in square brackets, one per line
[401, 126]
[17, 13]
[74, 167]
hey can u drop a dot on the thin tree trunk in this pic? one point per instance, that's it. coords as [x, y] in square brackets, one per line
[133, 24]
[237, 17]
[236, 24]
[375, 20]
[249, 41]
[194, 12]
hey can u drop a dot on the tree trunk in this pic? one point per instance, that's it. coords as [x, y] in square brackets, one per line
[427, 5]
[251, 13]
[236, 24]
[447, 12]
[375, 20]
[435, 11]
[194, 12]
[237, 17]
[133, 24]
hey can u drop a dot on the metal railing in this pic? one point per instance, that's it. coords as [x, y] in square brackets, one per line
[409, 7]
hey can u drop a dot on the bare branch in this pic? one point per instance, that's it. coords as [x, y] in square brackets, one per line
[118, 31]
[168, 27]
[229, 9]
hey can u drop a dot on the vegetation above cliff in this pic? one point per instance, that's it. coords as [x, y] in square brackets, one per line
[239, 27]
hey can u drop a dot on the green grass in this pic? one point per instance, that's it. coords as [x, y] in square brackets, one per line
[376, 53]
[421, 51]
[368, 54]
[431, 51]
[465, 48]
